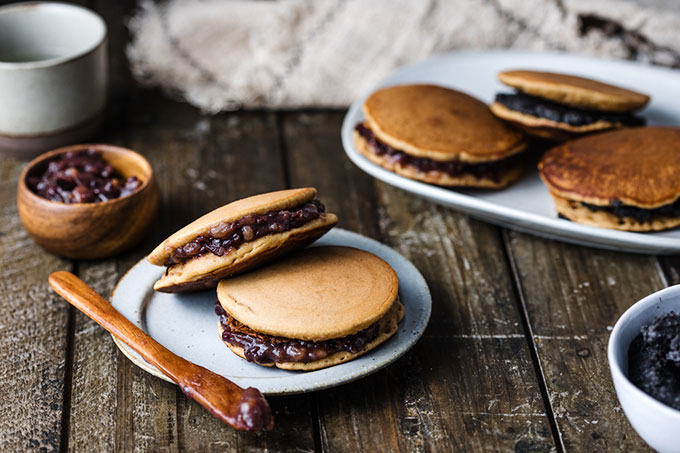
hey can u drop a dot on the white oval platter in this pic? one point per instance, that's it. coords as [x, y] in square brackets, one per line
[526, 205]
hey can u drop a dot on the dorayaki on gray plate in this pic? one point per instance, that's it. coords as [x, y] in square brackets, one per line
[312, 309]
[556, 106]
[240, 236]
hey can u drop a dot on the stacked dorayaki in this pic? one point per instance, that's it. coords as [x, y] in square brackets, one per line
[610, 171]
[279, 303]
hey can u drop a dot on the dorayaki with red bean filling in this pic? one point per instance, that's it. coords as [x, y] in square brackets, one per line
[240, 236]
[313, 309]
[440, 136]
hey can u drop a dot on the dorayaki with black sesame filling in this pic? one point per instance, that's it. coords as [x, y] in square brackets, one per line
[440, 136]
[625, 179]
[315, 308]
[560, 106]
[240, 236]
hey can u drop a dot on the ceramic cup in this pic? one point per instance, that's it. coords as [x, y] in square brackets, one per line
[53, 76]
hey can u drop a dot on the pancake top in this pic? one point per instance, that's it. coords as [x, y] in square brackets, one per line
[637, 166]
[316, 294]
[440, 123]
[575, 91]
[257, 204]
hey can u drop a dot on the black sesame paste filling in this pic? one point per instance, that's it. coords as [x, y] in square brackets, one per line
[561, 113]
[640, 215]
[227, 236]
[654, 359]
[266, 349]
[488, 170]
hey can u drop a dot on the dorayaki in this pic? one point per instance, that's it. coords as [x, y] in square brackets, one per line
[240, 236]
[558, 107]
[313, 309]
[625, 179]
[440, 136]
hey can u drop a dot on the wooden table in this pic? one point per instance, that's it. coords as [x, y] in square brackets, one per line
[514, 356]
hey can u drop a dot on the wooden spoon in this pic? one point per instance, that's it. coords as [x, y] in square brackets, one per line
[242, 409]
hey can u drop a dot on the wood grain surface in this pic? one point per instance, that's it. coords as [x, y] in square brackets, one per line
[573, 297]
[33, 332]
[514, 357]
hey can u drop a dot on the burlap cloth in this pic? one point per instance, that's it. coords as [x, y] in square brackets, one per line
[221, 54]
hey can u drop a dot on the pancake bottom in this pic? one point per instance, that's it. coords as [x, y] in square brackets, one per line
[388, 326]
[575, 211]
[506, 177]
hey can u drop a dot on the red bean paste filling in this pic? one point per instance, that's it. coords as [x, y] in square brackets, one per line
[488, 170]
[561, 113]
[266, 349]
[80, 177]
[254, 413]
[654, 359]
[640, 215]
[227, 236]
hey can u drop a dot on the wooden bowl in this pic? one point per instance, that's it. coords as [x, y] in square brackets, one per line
[91, 230]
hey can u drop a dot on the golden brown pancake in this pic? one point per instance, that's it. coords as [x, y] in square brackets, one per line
[440, 136]
[575, 91]
[314, 299]
[623, 179]
[559, 106]
[439, 123]
[262, 226]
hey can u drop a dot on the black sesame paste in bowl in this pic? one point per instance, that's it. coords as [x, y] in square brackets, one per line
[654, 359]
[80, 177]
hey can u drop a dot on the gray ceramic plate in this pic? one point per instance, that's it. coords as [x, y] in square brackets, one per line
[527, 205]
[187, 325]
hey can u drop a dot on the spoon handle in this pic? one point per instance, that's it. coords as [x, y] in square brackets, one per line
[242, 409]
[87, 300]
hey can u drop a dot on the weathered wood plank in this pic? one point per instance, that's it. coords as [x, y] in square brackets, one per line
[312, 147]
[573, 296]
[670, 266]
[33, 331]
[470, 382]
